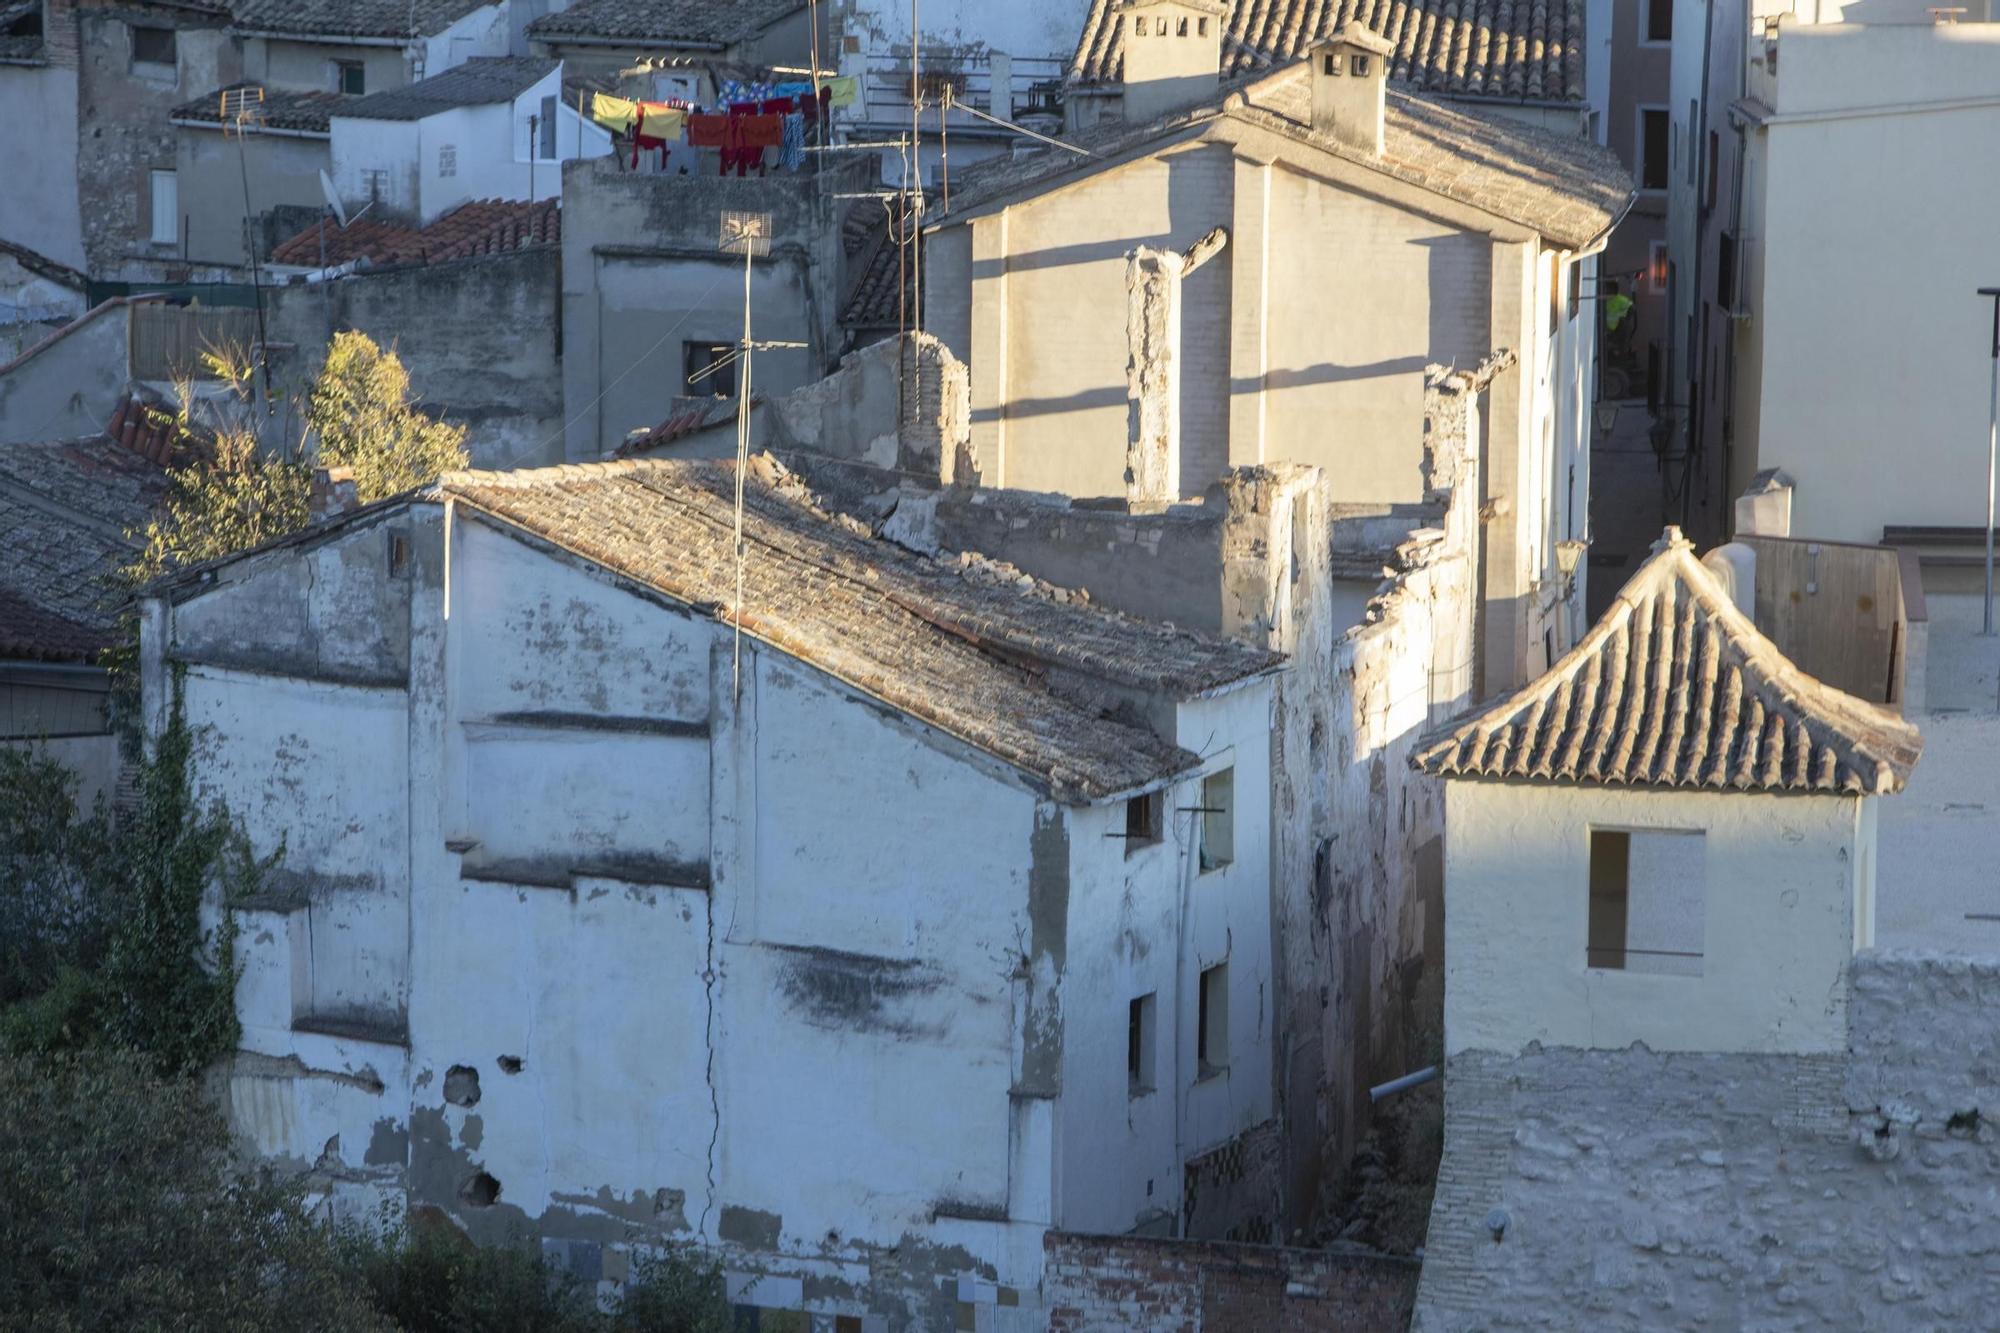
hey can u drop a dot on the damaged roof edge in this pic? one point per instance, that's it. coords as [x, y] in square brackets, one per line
[1049, 785]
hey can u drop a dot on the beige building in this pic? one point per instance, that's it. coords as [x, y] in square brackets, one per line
[1904, 444]
[1287, 255]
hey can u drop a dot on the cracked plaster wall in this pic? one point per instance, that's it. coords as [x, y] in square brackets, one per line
[732, 1064]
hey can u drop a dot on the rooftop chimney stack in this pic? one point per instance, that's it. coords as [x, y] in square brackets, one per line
[1173, 55]
[332, 492]
[1349, 72]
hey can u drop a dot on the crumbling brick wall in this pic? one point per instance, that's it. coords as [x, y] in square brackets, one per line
[1102, 1284]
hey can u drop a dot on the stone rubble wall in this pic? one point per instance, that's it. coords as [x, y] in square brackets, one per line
[1641, 1190]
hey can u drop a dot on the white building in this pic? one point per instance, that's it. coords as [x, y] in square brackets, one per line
[941, 919]
[1366, 232]
[1667, 839]
[491, 128]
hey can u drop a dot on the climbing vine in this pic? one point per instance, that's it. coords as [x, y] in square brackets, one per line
[105, 944]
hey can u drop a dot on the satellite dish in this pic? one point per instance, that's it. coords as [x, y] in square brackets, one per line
[332, 198]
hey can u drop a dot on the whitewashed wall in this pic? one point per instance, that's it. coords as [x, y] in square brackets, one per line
[791, 976]
[1783, 881]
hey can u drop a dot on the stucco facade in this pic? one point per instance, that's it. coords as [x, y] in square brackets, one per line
[1290, 347]
[1787, 898]
[575, 934]
[1912, 101]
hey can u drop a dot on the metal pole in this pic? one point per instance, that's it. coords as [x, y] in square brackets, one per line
[1992, 449]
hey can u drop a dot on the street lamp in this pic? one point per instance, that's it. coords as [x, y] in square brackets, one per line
[1992, 449]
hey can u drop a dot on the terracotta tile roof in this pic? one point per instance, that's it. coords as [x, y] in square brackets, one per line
[878, 295]
[65, 509]
[679, 22]
[480, 81]
[280, 109]
[1479, 48]
[977, 658]
[481, 227]
[354, 18]
[1675, 687]
[1567, 188]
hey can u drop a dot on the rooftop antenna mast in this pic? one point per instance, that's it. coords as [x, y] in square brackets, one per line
[242, 110]
[749, 235]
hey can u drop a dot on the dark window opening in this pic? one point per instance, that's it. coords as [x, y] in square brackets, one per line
[350, 77]
[546, 150]
[1708, 184]
[1143, 821]
[152, 46]
[1181, 30]
[1360, 67]
[1201, 27]
[1659, 20]
[710, 369]
[1139, 27]
[28, 24]
[1331, 64]
[1212, 1022]
[1655, 148]
[1725, 271]
[1139, 1046]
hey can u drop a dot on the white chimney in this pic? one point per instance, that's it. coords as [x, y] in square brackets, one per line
[1349, 71]
[1173, 55]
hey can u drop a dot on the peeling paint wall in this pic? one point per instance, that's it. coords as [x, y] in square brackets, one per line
[575, 942]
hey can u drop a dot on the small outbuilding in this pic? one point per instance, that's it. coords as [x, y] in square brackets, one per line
[1667, 838]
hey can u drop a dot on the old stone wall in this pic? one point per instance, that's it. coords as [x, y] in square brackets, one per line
[1639, 1190]
[1098, 1284]
[480, 338]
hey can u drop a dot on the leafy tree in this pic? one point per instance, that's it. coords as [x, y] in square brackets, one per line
[362, 414]
[119, 1210]
[236, 495]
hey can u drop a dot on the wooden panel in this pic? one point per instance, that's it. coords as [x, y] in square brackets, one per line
[1833, 609]
[168, 340]
[37, 712]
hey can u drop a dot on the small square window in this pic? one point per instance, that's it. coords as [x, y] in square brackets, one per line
[1201, 27]
[1360, 67]
[710, 369]
[1142, 821]
[1212, 1023]
[1647, 892]
[1180, 29]
[1218, 819]
[1331, 64]
[350, 77]
[152, 46]
[399, 553]
[1139, 1046]
[1139, 27]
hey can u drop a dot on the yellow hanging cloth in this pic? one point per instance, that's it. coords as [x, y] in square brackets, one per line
[845, 91]
[613, 113]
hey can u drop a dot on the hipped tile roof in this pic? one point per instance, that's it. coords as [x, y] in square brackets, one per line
[354, 18]
[689, 22]
[1675, 687]
[65, 509]
[479, 81]
[482, 227]
[1485, 48]
[1565, 187]
[988, 661]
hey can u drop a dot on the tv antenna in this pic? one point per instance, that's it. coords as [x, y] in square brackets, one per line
[749, 235]
[242, 111]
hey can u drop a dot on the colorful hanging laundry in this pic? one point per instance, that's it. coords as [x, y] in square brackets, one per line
[735, 91]
[614, 113]
[793, 155]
